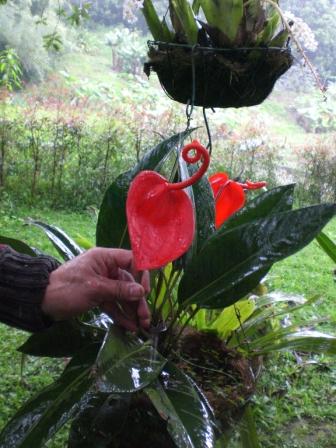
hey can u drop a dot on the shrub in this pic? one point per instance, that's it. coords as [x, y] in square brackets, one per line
[58, 150]
[316, 177]
[248, 153]
[128, 50]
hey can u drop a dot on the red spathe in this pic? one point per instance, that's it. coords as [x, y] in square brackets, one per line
[229, 197]
[160, 221]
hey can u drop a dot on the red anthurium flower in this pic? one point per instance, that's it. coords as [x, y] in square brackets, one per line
[160, 214]
[229, 195]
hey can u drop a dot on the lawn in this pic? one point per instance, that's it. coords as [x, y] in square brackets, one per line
[295, 405]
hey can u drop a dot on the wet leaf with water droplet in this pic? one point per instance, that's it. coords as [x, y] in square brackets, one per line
[64, 245]
[42, 416]
[62, 339]
[276, 200]
[126, 364]
[233, 262]
[17, 245]
[98, 423]
[190, 421]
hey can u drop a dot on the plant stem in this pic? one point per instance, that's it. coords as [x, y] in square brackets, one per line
[170, 284]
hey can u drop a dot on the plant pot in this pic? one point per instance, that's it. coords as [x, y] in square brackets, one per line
[226, 378]
[222, 77]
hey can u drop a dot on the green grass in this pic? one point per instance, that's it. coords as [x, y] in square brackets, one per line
[310, 273]
[296, 403]
[12, 224]
[37, 372]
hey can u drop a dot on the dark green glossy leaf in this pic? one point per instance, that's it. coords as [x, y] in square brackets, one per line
[17, 245]
[248, 429]
[203, 203]
[64, 245]
[232, 263]
[102, 418]
[112, 224]
[42, 416]
[204, 209]
[62, 339]
[190, 421]
[327, 245]
[279, 199]
[184, 175]
[126, 364]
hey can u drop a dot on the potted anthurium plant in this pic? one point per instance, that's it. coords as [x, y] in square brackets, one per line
[189, 379]
[218, 53]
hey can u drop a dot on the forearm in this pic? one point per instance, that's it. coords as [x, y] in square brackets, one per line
[23, 282]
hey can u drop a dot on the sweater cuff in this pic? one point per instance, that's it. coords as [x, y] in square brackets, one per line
[23, 282]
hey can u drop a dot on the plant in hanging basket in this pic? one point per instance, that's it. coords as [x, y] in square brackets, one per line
[225, 53]
[189, 378]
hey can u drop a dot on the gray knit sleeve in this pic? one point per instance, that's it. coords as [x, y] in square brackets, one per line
[23, 281]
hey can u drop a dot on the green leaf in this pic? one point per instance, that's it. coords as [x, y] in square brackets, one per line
[184, 174]
[268, 307]
[190, 421]
[226, 15]
[187, 18]
[64, 245]
[327, 245]
[294, 338]
[204, 210]
[248, 429]
[99, 422]
[254, 16]
[126, 364]
[52, 41]
[83, 242]
[232, 317]
[159, 30]
[17, 245]
[163, 277]
[62, 339]
[42, 416]
[280, 39]
[232, 263]
[272, 23]
[196, 4]
[279, 199]
[204, 206]
[112, 223]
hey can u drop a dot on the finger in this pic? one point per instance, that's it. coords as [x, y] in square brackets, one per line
[111, 290]
[145, 281]
[118, 257]
[125, 276]
[143, 314]
[108, 261]
[119, 318]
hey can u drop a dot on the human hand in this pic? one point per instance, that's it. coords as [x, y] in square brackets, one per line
[103, 278]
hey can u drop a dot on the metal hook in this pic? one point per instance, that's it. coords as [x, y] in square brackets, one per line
[209, 145]
[191, 103]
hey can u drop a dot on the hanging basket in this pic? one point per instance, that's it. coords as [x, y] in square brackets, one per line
[217, 77]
